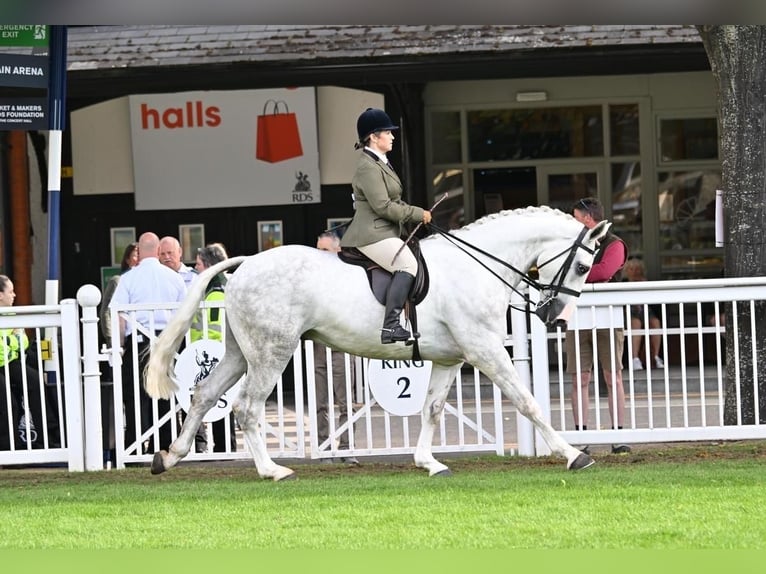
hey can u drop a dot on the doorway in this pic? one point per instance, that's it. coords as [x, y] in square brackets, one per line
[560, 186]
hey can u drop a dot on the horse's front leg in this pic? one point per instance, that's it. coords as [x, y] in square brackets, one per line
[501, 371]
[438, 388]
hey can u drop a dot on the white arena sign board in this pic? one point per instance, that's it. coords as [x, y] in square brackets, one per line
[194, 364]
[399, 386]
[203, 149]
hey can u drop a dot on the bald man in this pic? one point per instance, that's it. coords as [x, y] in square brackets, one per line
[170, 256]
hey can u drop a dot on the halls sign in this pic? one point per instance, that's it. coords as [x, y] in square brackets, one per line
[195, 150]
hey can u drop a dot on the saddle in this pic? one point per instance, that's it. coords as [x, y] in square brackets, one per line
[379, 279]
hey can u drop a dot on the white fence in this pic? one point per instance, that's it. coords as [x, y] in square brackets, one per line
[684, 400]
[49, 384]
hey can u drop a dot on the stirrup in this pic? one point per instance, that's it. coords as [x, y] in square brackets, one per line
[393, 335]
[411, 341]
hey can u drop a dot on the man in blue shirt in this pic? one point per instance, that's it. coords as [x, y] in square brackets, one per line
[149, 282]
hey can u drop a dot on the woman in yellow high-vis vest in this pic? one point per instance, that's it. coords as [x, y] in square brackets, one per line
[23, 417]
[212, 328]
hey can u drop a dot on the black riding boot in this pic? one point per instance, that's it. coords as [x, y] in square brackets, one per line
[392, 330]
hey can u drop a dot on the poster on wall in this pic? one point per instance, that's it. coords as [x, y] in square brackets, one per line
[191, 237]
[269, 234]
[196, 150]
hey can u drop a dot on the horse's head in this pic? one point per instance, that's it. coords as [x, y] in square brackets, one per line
[563, 266]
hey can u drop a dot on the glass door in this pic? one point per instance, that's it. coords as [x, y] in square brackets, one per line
[561, 186]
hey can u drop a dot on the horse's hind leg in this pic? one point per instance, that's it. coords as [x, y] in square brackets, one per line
[248, 408]
[220, 380]
[438, 388]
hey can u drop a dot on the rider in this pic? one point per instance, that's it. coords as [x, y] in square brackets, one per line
[380, 215]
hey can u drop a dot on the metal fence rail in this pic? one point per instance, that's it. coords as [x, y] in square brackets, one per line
[684, 400]
[41, 410]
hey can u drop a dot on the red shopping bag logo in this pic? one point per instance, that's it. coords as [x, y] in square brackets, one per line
[277, 137]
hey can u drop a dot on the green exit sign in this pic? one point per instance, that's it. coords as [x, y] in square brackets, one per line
[23, 35]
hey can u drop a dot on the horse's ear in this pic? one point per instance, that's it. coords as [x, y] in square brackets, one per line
[599, 232]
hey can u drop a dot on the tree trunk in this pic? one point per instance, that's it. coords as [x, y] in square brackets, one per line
[737, 57]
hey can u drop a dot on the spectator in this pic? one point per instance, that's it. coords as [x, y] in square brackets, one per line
[147, 282]
[27, 402]
[607, 264]
[170, 256]
[329, 241]
[212, 328]
[634, 270]
[129, 260]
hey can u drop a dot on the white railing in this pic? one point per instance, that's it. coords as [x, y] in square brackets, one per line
[684, 400]
[42, 392]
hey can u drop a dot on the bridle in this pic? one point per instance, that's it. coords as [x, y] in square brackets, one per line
[549, 291]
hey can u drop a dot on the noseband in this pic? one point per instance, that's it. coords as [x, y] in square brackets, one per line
[550, 291]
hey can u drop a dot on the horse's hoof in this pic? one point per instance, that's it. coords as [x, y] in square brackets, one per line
[158, 466]
[445, 472]
[291, 476]
[582, 461]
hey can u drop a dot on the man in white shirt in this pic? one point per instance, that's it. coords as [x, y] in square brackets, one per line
[170, 256]
[148, 282]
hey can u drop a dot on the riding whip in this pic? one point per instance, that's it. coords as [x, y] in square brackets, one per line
[411, 235]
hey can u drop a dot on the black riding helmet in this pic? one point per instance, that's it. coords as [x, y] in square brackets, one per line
[373, 120]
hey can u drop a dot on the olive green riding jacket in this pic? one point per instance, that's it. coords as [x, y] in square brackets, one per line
[380, 212]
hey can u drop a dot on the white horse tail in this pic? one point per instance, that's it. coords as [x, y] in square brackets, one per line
[158, 376]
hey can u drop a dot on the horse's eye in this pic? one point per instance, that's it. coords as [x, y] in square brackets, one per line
[582, 269]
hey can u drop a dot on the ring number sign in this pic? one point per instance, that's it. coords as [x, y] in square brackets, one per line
[399, 386]
[194, 364]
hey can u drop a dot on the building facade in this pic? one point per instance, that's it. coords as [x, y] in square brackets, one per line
[497, 116]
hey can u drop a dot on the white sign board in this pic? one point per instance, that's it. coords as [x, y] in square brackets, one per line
[399, 386]
[195, 150]
[194, 364]
[600, 317]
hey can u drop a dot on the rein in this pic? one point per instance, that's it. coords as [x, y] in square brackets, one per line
[554, 288]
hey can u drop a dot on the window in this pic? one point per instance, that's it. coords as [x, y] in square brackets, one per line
[688, 139]
[521, 134]
[623, 129]
[445, 137]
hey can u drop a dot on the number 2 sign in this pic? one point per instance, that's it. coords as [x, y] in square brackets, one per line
[399, 386]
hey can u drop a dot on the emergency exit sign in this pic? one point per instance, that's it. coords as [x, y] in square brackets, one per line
[23, 35]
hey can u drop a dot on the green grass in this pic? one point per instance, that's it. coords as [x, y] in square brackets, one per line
[693, 497]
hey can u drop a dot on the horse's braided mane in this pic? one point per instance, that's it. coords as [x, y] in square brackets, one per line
[531, 210]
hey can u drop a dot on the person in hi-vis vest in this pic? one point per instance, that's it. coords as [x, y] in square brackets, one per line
[27, 425]
[206, 257]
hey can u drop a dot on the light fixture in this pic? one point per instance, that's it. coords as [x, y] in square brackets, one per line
[540, 96]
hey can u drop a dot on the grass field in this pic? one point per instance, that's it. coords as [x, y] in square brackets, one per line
[704, 496]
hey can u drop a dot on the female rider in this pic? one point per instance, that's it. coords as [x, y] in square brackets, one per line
[380, 215]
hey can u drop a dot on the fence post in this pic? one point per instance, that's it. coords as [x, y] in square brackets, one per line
[541, 382]
[89, 297]
[70, 350]
[524, 428]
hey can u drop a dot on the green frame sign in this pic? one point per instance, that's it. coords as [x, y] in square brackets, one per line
[24, 34]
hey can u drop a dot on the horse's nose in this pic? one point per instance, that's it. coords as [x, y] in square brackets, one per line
[560, 324]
